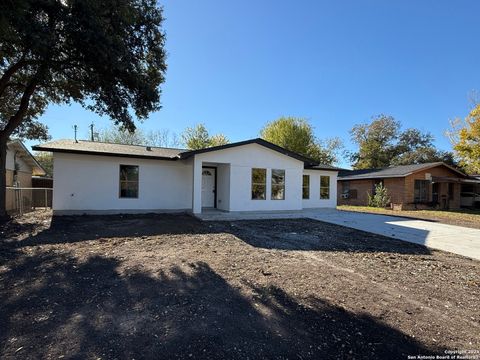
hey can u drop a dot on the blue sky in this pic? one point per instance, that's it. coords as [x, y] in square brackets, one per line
[234, 65]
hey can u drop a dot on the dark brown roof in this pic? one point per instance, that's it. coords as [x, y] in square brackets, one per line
[391, 172]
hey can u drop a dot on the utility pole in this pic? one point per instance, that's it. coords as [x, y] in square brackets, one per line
[92, 138]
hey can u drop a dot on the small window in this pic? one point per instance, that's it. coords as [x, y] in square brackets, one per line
[420, 191]
[128, 181]
[278, 184]
[207, 173]
[325, 187]
[306, 187]
[259, 184]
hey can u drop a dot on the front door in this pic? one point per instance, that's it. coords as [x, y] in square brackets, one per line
[208, 188]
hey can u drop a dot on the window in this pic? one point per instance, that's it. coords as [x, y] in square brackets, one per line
[259, 184]
[128, 181]
[324, 187]
[278, 184]
[451, 191]
[306, 187]
[420, 192]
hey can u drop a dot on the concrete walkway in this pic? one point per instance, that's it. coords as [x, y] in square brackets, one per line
[456, 239]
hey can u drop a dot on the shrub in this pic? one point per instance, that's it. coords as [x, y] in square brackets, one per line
[381, 198]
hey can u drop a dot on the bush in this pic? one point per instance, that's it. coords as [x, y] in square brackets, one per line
[381, 198]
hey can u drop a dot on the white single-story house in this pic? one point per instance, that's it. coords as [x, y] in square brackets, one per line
[252, 175]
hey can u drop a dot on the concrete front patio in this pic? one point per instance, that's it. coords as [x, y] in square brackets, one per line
[455, 239]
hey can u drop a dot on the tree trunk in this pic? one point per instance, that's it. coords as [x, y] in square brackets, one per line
[3, 178]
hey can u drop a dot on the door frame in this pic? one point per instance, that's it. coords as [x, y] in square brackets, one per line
[215, 184]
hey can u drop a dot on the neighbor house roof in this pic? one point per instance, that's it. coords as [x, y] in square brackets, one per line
[20, 149]
[391, 172]
[152, 152]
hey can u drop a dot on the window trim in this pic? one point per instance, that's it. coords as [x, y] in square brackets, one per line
[258, 184]
[306, 187]
[272, 184]
[325, 187]
[120, 181]
[427, 191]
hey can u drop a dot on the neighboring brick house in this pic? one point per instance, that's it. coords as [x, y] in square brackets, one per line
[409, 186]
[20, 166]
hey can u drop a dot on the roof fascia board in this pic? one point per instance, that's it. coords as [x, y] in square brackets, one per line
[98, 153]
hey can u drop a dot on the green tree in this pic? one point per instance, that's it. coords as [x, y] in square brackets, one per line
[107, 55]
[45, 159]
[465, 137]
[197, 137]
[381, 143]
[380, 198]
[161, 138]
[297, 135]
[376, 142]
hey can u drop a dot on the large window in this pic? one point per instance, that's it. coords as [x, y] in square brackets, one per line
[306, 187]
[421, 190]
[324, 187]
[278, 184]
[259, 184]
[128, 181]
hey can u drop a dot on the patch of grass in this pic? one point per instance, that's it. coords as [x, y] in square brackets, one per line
[464, 217]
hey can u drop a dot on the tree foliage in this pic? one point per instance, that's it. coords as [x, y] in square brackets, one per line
[45, 159]
[107, 55]
[161, 138]
[382, 143]
[380, 198]
[297, 135]
[198, 137]
[465, 137]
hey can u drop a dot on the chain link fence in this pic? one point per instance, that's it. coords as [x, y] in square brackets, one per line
[20, 200]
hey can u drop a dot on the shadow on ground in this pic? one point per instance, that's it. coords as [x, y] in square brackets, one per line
[91, 309]
[286, 234]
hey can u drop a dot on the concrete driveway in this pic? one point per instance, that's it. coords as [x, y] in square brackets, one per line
[456, 239]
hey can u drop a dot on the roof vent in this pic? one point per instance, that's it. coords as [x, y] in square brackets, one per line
[149, 148]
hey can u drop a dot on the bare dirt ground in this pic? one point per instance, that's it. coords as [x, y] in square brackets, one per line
[170, 286]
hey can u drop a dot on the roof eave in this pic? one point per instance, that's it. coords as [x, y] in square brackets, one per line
[98, 153]
[34, 163]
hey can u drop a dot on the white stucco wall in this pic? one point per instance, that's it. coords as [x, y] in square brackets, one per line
[91, 183]
[242, 159]
[86, 183]
[314, 201]
[223, 187]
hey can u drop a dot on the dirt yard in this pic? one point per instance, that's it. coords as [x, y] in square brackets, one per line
[170, 286]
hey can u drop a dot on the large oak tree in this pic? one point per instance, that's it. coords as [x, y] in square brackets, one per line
[382, 143]
[106, 55]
